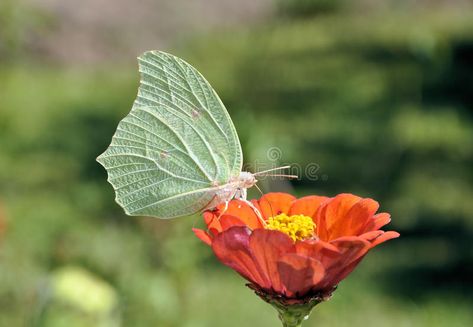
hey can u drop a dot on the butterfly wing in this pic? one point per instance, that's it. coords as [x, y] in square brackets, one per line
[176, 147]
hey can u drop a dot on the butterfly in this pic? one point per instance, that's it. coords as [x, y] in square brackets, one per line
[177, 152]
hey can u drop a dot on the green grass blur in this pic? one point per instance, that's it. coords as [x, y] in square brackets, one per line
[378, 102]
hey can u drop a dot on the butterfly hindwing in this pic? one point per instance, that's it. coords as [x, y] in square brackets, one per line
[177, 143]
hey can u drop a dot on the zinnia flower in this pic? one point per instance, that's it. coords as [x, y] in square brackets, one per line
[297, 252]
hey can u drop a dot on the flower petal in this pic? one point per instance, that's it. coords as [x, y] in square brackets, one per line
[331, 212]
[378, 221]
[369, 236]
[359, 215]
[267, 246]
[318, 250]
[227, 221]
[307, 205]
[352, 249]
[299, 274]
[203, 235]
[231, 247]
[385, 237]
[273, 204]
[236, 208]
[212, 222]
[244, 212]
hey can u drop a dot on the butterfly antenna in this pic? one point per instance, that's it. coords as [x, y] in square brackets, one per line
[258, 213]
[282, 175]
[259, 190]
[272, 169]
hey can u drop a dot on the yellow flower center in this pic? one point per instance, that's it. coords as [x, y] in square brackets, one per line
[298, 227]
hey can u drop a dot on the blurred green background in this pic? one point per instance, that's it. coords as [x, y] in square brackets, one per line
[375, 97]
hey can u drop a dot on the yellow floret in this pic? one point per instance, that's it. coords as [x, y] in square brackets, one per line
[298, 227]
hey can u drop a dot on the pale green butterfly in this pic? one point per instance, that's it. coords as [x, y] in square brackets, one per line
[177, 152]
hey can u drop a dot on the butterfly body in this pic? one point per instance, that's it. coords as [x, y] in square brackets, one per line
[236, 188]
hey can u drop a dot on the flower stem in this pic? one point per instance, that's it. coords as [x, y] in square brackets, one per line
[291, 312]
[290, 322]
[294, 315]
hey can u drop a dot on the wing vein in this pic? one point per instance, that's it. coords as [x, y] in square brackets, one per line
[204, 140]
[173, 197]
[183, 77]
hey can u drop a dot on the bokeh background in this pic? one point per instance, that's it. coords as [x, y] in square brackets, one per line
[375, 96]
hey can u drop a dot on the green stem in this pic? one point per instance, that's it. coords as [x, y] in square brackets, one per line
[294, 315]
[290, 321]
[291, 312]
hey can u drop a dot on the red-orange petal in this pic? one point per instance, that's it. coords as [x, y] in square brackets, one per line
[350, 246]
[244, 212]
[209, 216]
[299, 274]
[330, 213]
[239, 210]
[227, 221]
[339, 207]
[379, 220]
[203, 235]
[352, 249]
[214, 231]
[212, 222]
[267, 246]
[273, 204]
[371, 235]
[319, 250]
[306, 205]
[232, 249]
[386, 236]
[345, 215]
[358, 216]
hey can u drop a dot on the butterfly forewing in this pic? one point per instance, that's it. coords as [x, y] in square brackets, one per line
[175, 146]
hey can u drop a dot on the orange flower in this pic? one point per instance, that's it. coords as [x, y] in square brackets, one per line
[301, 248]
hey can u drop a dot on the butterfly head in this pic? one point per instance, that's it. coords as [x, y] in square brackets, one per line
[247, 179]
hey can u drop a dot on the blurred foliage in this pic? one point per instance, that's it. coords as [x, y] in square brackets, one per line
[20, 26]
[381, 102]
[77, 298]
[307, 8]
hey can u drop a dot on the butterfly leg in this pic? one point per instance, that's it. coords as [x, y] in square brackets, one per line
[257, 212]
[242, 195]
[225, 208]
[221, 213]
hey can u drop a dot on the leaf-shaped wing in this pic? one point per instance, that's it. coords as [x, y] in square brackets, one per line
[175, 146]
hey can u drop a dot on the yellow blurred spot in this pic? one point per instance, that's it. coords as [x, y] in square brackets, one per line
[83, 290]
